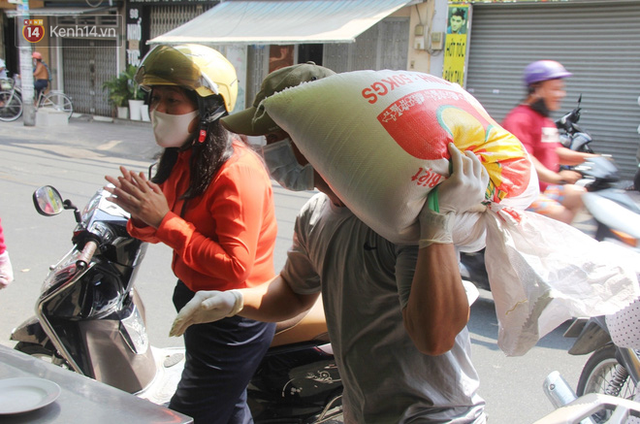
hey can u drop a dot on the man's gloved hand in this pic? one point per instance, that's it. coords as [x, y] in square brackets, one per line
[207, 306]
[6, 271]
[463, 190]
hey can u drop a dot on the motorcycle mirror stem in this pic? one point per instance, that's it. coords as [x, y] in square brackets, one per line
[575, 114]
[68, 205]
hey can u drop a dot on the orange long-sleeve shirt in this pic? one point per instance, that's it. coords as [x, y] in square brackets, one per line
[225, 238]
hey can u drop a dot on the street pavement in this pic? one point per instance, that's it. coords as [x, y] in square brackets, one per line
[117, 138]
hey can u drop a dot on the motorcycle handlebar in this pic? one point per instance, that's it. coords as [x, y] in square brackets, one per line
[86, 255]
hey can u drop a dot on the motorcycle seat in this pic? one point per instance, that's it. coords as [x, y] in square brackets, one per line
[310, 325]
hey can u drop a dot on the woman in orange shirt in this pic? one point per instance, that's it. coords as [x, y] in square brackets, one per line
[211, 201]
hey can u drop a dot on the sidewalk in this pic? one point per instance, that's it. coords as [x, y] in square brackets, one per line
[121, 138]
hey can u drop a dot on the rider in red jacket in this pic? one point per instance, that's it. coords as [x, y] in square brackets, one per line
[559, 197]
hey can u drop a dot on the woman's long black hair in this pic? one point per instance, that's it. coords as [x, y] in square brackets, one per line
[208, 155]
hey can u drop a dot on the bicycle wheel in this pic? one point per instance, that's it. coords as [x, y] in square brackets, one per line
[58, 101]
[10, 106]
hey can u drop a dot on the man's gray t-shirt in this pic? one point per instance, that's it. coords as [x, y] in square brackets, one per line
[386, 378]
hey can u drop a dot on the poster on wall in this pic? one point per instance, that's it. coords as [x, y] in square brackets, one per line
[280, 57]
[455, 48]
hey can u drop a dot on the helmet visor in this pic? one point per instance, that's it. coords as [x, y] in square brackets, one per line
[166, 65]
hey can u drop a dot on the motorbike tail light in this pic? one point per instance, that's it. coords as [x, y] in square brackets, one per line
[626, 238]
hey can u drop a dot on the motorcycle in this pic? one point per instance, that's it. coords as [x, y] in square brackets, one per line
[587, 409]
[612, 203]
[90, 319]
[610, 370]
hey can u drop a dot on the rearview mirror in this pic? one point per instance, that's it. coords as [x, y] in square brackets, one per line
[48, 201]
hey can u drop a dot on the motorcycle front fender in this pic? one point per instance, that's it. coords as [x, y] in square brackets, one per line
[591, 337]
[30, 331]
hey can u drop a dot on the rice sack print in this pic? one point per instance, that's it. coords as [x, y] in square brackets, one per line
[379, 139]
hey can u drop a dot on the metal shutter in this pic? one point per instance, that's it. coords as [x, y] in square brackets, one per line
[394, 44]
[88, 64]
[383, 46]
[598, 43]
[164, 18]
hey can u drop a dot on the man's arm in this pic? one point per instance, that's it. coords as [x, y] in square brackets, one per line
[571, 157]
[275, 301]
[270, 302]
[551, 177]
[437, 308]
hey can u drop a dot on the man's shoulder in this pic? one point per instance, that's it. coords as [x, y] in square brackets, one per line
[519, 111]
[314, 205]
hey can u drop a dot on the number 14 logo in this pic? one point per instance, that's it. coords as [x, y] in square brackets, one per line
[33, 30]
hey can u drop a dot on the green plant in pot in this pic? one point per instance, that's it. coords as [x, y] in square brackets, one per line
[136, 104]
[122, 88]
[134, 88]
[118, 89]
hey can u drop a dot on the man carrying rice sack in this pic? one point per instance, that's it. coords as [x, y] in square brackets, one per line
[396, 313]
[379, 139]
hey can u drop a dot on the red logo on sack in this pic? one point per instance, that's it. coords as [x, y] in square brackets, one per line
[413, 122]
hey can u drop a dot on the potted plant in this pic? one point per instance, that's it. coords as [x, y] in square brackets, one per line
[119, 93]
[136, 99]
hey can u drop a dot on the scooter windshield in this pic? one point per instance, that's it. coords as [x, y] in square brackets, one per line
[63, 271]
[99, 202]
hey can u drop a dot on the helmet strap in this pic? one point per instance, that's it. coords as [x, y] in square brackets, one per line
[207, 119]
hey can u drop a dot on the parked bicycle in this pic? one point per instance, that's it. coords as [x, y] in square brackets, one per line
[11, 101]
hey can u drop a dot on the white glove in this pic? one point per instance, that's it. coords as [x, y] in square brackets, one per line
[6, 271]
[207, 306]
[463, 190]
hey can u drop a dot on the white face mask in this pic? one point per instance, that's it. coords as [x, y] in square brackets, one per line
[171, 130]
[284, 167]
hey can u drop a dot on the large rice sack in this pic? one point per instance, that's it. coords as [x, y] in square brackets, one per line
[379, 139]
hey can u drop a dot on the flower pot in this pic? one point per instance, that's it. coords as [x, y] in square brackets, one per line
[144, 113]
[123, 112]
[134, 109]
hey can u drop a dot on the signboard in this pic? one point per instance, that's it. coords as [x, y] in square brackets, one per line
[455, 48]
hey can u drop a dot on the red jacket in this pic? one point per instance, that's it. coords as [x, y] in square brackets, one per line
[225, 237]
[538, 134]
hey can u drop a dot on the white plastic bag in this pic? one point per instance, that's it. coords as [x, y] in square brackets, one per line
[543, 272]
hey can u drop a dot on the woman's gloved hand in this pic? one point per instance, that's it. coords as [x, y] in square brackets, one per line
[463, 190]
[6, 271]
[207, 306]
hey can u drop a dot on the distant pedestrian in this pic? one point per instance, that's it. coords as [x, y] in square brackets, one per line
[40, 74]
